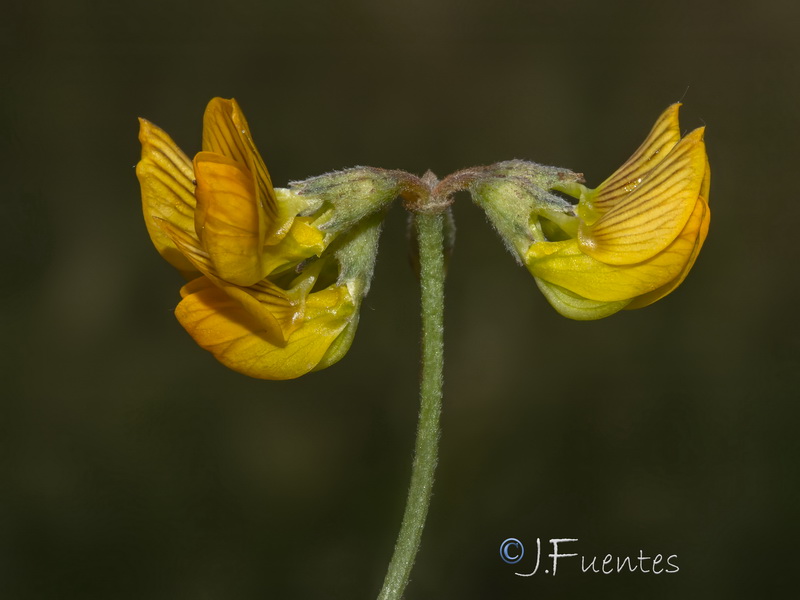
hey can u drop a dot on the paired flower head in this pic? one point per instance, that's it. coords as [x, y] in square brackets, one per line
[277, 275]
[268, 295]
[628, 242]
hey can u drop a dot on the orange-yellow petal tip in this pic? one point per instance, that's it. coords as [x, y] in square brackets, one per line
[220, 325]
[166, 178]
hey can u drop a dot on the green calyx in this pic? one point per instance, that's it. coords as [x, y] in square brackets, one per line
[516, 194]
[343, 198]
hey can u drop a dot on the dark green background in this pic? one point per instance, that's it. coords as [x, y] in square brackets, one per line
[132, 465]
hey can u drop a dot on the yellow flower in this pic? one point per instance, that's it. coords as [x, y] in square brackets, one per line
[636, 235]
[265, 299]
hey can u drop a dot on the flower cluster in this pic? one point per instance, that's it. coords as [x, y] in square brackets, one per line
[267, 295]
[277, 275]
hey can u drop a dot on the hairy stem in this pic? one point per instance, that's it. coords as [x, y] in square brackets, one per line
[431, 256]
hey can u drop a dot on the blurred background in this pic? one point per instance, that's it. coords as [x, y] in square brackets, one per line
[132, 465]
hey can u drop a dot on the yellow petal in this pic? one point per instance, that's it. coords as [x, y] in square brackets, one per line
[340, 345]
[646, 221]
[226, 132]
[659, 293]
[564, 264]
[302, 241]
[167, 182]
[661, 139]
[577, 307]
[220, 325]
[278, 312]
[196, 285]
[229, 222]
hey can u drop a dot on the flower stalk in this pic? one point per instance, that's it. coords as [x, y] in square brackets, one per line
[430, 236]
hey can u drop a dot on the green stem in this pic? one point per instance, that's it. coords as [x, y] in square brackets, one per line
[431, 258]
